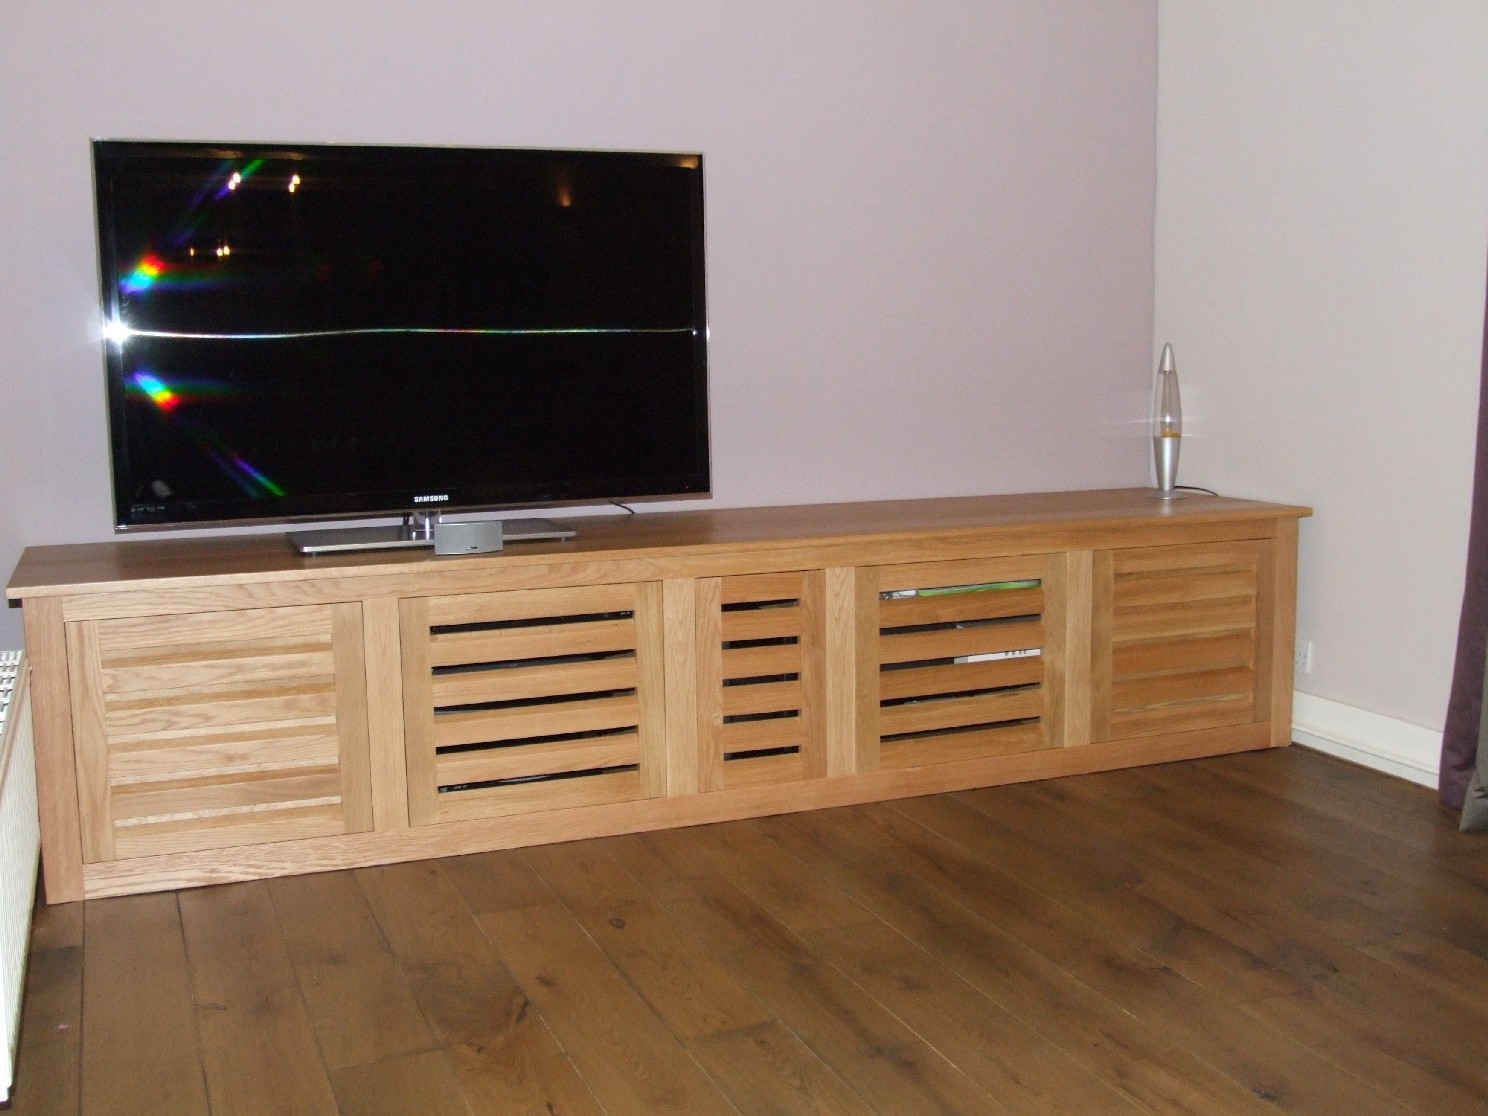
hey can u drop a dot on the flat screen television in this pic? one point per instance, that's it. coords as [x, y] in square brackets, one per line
[323, 331]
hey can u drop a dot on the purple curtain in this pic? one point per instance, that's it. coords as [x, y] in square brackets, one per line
[1465, 706]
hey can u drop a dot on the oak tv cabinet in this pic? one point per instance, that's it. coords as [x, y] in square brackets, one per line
[223, 709]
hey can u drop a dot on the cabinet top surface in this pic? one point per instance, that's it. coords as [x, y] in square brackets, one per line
[227, 559]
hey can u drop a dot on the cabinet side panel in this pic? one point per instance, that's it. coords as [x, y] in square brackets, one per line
[1278, 634]
[387, 771]
[814, 673]
[351, 717]
[841, 648]
[1068, 602]
[56, 763]
[865, 662]
[683, 686]
[90, 742]
[651, 687]
[708, 655]
[418, 710]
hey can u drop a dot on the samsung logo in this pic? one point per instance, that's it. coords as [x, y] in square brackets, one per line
[437, 498]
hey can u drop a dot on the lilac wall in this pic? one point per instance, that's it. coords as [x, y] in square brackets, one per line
[930, 225]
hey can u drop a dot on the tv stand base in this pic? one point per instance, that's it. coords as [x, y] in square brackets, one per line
[350, 540]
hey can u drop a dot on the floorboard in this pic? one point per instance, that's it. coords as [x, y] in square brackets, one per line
[1271, 932]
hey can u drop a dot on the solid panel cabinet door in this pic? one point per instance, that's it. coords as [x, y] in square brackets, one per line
[956, 667]
[218, 729]
[538, 699]
[1176, 638]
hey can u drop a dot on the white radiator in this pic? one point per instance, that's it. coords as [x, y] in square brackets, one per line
[20, 849]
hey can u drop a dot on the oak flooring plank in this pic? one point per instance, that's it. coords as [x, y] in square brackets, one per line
[59, 926]
[141, 1052]
[1101, 1037]
[1405, 883]
[887, 1063]
[422, 1083]
[359, 1004]
[258, 1047]
[49, 1051]
[1196, 875]
[1392, 1024]
[1419, 1056]
[1028, 881]
[1021, 1070]
[1445, 969]
[1385, 805]
[496, 881]
[767, 1069]
[1272, 1059]
[687, 986]
[631, 1061]
[501, 1052]
[1340, 913]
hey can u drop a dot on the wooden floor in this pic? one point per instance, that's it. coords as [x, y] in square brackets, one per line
[1272, 932]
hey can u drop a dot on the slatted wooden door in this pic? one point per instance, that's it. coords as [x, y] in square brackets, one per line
[1175, 638]
[760, 670]
[527, 700]
[219, 729]
[960, 669]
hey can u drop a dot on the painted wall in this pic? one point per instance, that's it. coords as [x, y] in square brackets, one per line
[930, 225]
[1322, 231]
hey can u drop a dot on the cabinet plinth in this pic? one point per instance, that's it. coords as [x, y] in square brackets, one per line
[224, 709]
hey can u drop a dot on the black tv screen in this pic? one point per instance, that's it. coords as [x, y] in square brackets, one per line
[316, 331]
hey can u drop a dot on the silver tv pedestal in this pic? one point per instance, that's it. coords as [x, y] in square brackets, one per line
[416, 530]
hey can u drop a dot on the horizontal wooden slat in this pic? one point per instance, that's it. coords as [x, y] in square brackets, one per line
[522, 760]
[952, 642]
[544, 641]
[200, 798]
[745, 588]
[759, 662]
[248, 709]
[1164, 689]
[1157, 621]
[1183, 586]
[1129, 660]
[121, 640]
[546, 680]
[559, 794]
[951, 607]
[247, 668]
[934, 715]
[557, 718]
[761, 697]
[226, 755]
[1214, 713]
[753, 736]
[291, 823]
[923, 751]
[762, 623]
[959, 677]
[530, 604]
[975, 571]
[1147, 559]
[763, 771]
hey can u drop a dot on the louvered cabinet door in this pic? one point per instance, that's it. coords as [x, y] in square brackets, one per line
[1175, 638]
[760, 671]
[526, 700]
[961, 662]
[218, 729]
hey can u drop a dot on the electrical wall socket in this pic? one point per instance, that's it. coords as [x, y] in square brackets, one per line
[1303, 660]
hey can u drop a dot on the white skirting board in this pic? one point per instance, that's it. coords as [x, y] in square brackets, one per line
[1369, 739]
